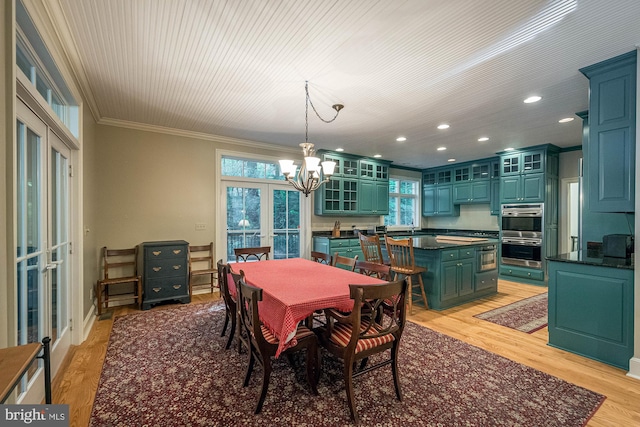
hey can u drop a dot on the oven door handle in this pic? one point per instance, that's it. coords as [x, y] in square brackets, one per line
[521, 242]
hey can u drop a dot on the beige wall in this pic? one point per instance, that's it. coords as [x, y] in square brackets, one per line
[90, 192]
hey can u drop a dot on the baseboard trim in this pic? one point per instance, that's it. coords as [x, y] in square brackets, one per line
[634, 368]
[88, 322]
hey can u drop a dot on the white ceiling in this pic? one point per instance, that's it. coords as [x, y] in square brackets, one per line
[237, 68]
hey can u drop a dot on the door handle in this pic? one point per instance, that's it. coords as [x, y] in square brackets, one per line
[51, 266]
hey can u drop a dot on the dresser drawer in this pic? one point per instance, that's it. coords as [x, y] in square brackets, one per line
[165, 288]
[165, 267]
[173, 251]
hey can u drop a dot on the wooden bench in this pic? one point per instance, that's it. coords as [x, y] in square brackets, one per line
[15, 361]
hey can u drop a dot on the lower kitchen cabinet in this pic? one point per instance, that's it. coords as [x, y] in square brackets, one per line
[348, 247]
[531, 276]
[452, 278]
[164, 271]
[591, 311]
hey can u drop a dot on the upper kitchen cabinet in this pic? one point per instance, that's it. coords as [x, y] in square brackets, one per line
[437, 193]
[610, 148]
[471, 183]
[527, 174]
[360, 186]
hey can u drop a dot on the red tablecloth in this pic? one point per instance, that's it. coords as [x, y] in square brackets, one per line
[292, 289]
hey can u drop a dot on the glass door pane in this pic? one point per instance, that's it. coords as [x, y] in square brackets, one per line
[244, 207]
[286, 223]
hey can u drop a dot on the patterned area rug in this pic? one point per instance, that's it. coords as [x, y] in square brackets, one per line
[527, 315]
[169, 368]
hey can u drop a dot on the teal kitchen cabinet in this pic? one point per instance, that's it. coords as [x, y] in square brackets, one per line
[437, 193]
[457, 273]
[373, 197]
[371, 169]
[610, 157]
[343, 246]
[494, 204]
[523, 188]
[521, 162]
[591, 311]
[437, 200]
[346, 166]
[472, 192]
[339, 196]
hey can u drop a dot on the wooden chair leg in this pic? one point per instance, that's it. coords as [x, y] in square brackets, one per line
[410, 294]
[312, 365]
[139, 294]
[266, 375]
[226, 321]
[99, 297]
[394, 370]
[348, 382]
[424, 295]
[232, 332]
[247, 375]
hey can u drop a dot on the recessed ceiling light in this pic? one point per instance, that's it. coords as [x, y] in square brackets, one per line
[483, 139]
[442, 148]
[451, 160]
[401, 139]
[339, 149]
[377, 156]
[566, 120]
[509, 149]
[443, 126]
[531, 99]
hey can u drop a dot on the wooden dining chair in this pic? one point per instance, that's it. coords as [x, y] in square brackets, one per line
[321, 257]
[230, 304]
[381, 271]
[201, 264]
[371, 248]
[252, 254]
[376, 327]
[119, 267]
[263, 344]
[403, 262]
[344, 262]
[242, 338]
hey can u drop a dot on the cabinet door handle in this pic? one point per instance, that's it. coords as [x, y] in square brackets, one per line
[156, 253]
[177, 251]
[156, 269]
[177, 267]
[156, 289]
[177, 286]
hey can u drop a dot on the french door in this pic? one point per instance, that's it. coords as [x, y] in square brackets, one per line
[262, 214]
[42, 242]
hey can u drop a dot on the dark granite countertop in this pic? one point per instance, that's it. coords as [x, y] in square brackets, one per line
[432, 243]
[348, 234]
[581, 257]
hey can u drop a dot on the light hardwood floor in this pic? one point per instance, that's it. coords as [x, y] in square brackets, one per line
[77, 381]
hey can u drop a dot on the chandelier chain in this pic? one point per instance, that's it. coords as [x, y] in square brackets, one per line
[306, 88]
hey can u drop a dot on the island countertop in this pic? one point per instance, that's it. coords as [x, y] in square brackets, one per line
[581, 257]
[434, 243]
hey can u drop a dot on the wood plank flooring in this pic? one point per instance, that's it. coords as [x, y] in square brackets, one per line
[78, 379]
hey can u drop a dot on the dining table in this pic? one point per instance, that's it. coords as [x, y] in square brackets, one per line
[294, 288]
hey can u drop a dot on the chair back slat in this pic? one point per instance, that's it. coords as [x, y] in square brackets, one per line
[400, 253]
[381, 271]
[371, 248]
[321, 257]
[252, 254]
[120, 263]
[344, 262]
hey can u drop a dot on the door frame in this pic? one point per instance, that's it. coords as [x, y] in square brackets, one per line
[220, 209]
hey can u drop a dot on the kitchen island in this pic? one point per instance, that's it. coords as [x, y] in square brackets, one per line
[459, 267]
[591, 306]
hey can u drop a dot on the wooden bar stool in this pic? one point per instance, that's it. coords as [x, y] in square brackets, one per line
[403, 262]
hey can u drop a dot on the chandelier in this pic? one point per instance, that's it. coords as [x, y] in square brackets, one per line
[312, 173]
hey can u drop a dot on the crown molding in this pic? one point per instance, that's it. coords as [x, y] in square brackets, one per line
[197, 135]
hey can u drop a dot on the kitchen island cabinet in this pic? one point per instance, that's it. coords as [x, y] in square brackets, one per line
[591, 307]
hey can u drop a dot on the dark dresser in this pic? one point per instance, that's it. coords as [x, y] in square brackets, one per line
[165, 272]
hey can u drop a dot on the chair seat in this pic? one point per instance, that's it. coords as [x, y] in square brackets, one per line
[415, 270]
[342, 334]
[119, 280]
[301, 333]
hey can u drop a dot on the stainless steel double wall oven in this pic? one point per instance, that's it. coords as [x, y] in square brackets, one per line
[522, 234]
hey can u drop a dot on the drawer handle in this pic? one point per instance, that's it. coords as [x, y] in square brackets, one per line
[156, 269]
[156, 253]
[157, 289]
[177, 286]
[177, 251]
[177, 267]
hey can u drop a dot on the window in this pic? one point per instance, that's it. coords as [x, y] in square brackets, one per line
[404, 203]
[232, 166]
